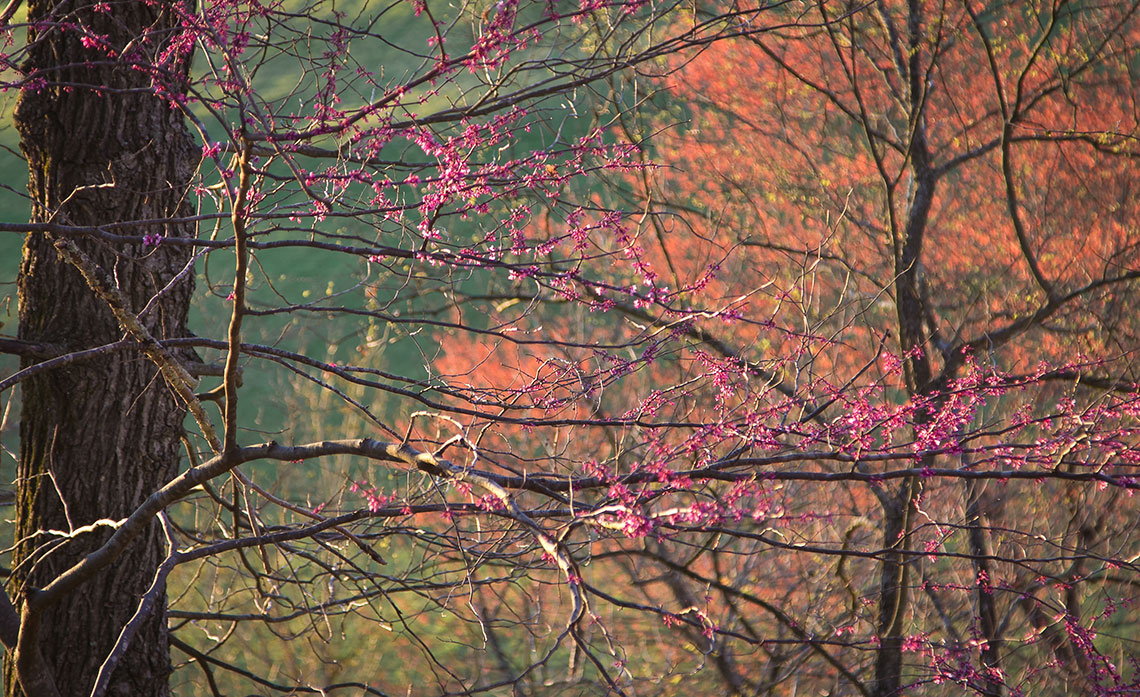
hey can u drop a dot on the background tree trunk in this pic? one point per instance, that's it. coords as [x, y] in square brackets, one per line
[99, 436]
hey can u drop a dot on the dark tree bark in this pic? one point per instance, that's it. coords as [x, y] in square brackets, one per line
[981, 553]
[99, 436]
[893, 590]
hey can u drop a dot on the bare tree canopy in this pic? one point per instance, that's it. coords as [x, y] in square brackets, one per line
[570, 348]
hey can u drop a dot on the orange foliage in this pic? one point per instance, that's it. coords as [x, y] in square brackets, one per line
[805, 152]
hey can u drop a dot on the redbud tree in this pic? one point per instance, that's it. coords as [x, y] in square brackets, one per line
[940, 196]
[367, 349]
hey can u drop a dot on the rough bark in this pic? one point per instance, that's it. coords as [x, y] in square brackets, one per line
[98, 436]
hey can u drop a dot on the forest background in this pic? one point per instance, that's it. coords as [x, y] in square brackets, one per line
[849, 383]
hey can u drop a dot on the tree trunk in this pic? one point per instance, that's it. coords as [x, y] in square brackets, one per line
[893, 591]
[988, 625]
[98, 436]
